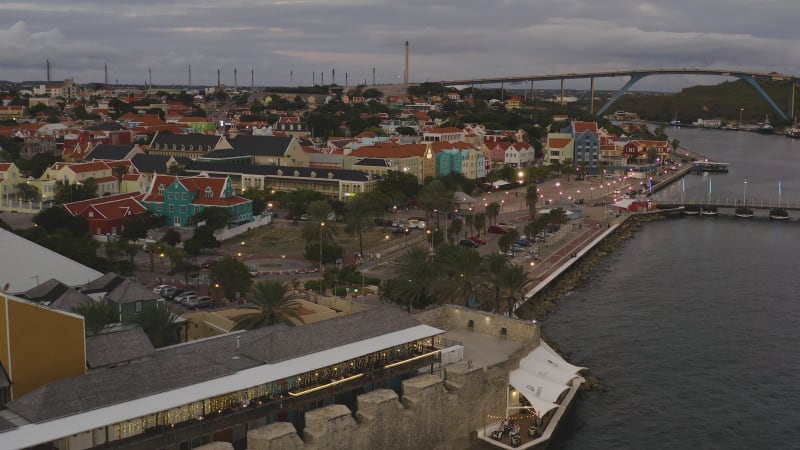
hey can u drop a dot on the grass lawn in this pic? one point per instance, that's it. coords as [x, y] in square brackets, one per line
[285, 238]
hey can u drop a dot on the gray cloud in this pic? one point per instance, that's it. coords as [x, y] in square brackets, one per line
[449, 40]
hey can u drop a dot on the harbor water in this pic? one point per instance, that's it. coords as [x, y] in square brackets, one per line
[692, 325]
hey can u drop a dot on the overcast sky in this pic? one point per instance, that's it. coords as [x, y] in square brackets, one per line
[448, 39]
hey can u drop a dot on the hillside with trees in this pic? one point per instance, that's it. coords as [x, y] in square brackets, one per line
[723, 101]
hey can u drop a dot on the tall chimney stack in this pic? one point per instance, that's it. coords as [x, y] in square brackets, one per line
[235, 80]
[405, 73]
[218, 81]
[105, 68]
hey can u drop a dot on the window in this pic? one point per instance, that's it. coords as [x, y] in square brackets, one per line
[183, 196]
[209, 192]
[169, 195]
[161, 190]
[138, 306]
[183, 208]
[171, 208]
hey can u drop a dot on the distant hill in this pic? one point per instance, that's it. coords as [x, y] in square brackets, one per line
[721, 101]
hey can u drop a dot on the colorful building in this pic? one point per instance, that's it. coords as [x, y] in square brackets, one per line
[107, 215]
[178, 199]
[38, 345]
[9, 179]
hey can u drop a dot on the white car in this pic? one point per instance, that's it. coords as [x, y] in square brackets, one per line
[184, 296]
[157, 290]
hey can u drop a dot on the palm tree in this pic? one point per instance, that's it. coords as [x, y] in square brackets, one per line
[480, 222]
[495, 264]
[417, 267]
[460, 270]
[469, 222]
[514, 280]
[119, 172]
[359, 219]
[435, 196]
[97, 315]
[271, 303]
[492, 211]
[531, 196]
[160, 324]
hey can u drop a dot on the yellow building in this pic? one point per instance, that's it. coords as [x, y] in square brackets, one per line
[38, 345]
[9, 178]
[415, 159]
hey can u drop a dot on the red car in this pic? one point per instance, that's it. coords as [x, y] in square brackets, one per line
[478, 240]
[496, 229]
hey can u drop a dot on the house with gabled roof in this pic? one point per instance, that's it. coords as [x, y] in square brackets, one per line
[459, 157]
[187, 145]
[109, 152]
[178, 199]
[558, 148]
[416, 159]
[586, 137]
[9, 179]
[270, 150]
[107, 215]
[449, 134]
[292, 126]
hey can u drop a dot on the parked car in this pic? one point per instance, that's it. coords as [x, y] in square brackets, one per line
[169, 292]
[400, 231]
[494, 229]
[184, 296]
[305, 217]
[517, 248]
[523, 243]
[395, 223]
[468, 243]
[478, 240]
[206, 265]
[507, 226]
[254, 272]
[200, 302]
[157, 289]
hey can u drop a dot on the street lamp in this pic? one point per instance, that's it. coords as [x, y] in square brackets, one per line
[741, 110]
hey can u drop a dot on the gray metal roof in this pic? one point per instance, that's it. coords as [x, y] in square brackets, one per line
[186, 364]
[33, 264]
[109, 152]
[260, 145]
[196, 139]
[113, 348]
[373, 162]
[130, 291]
[314, 337]
[106, 283]
[146, 163]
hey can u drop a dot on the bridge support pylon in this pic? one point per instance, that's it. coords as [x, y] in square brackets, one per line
[634, 79]
[750, 79]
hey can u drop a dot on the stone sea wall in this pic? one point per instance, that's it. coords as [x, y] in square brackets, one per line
[432, 414]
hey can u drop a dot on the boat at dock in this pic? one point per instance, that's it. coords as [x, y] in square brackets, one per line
[778, 214]
[709, 211]
[743, 212]
[691, 210]
[793, 132]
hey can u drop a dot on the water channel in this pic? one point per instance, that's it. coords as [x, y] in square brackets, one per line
[692, 324]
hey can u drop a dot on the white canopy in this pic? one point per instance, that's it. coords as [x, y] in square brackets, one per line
[542, 377]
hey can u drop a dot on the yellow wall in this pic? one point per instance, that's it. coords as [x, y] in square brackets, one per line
[45, 345]
[4, 356]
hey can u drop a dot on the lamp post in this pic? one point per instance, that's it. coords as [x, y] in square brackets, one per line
[321, 227]
[741, 110]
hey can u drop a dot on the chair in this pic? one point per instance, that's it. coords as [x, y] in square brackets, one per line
[532, 431]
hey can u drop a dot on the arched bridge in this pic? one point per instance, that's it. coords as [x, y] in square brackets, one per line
[636, 75]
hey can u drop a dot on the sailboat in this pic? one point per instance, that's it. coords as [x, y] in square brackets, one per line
[778, 213]
[766, 127]
[744, 212]
[709, 210]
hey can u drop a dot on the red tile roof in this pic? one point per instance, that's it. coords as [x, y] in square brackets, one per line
[580, 127]
[76, 208]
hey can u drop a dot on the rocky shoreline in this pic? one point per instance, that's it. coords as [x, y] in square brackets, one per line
[547, 299]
